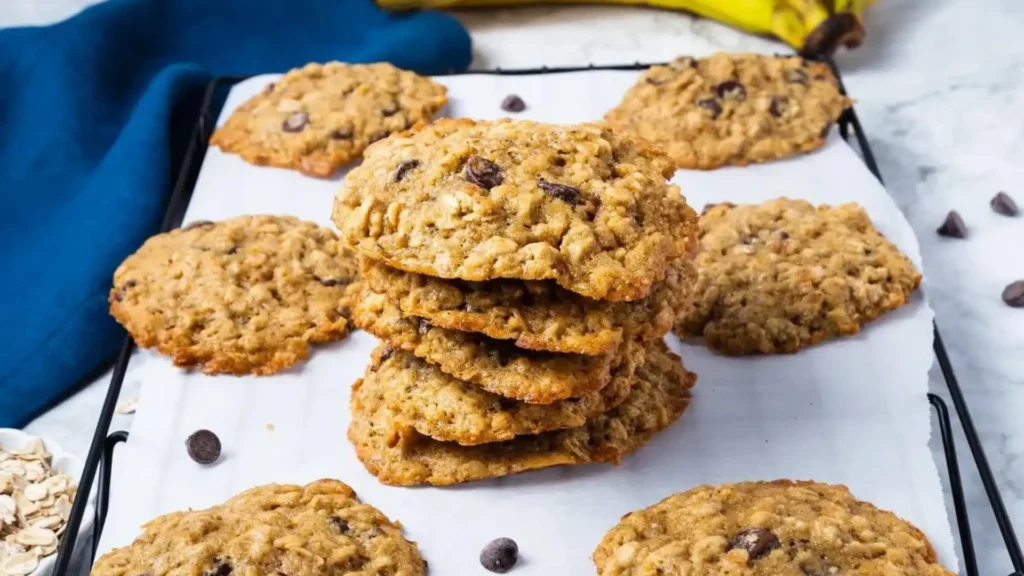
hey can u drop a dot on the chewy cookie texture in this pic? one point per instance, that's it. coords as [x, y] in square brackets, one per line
[318, 117]
[394, 452]
[784, 275]
[246, 295]
[732, 108]
[495, 365]
[320, 528]
[445, 408]
[581, 205]
[765, 528]
[536, 315]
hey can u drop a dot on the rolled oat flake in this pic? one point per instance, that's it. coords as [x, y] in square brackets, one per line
[203, 446]
[500, 555]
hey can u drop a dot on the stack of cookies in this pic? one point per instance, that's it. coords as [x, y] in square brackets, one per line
[521, 277]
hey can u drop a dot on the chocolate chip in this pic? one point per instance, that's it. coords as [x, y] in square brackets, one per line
[682, 63]
[329, 282]
[222, 568]
[711, 105]
[342, 134]
[390, 110]
[500, 555]
[778, 106]
[296, 122]
[796, 76]
[513, 103]
[386, 354]
[731, 89]
[198, 224]
[1013, 294]
[339, 525]
[568, 194]
[783, 235]
[404, 167]
[483, 173]
[232, 250]
[422, 326]
[129, 284]
[1003, 204]
[953, 226]
[756, 541]
[204, 447]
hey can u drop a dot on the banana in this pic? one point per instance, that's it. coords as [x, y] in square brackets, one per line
[815, 27]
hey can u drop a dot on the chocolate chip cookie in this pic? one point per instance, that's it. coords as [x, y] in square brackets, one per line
[246, 295]
[320, 528]
[581, 205]
[318, 117]
[732, 108]
[777, 528]
[783, 275]
[536, 315]
[394, 452]
[446, 408]
[497, 366]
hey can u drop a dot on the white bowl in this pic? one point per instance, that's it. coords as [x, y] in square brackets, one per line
[65, 463]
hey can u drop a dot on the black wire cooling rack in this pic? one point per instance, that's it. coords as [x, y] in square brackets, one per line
[101, 450]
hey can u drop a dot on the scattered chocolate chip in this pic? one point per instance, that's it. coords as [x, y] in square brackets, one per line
[222, 568]
[422, 326]
[198, 224]
[404, 167]
[483, 173]
[953, 226]
[711, 105]
[329, 282]
[204, 447]
[342, 134]
[756, 541]
[390, 110]
[513, 103]
[796, 76]
[778, 106]
[568, 194]
[1013, 294]
[1003, 204]
[783, 235]
[296, 122]
[232, 250]
[731, 89]
[339, 525]
[129, 284]
[500, 555]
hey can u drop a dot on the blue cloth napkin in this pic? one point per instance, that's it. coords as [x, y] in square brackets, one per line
[92, 110]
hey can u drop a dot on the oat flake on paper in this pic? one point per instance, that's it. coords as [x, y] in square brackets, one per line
[34, 506]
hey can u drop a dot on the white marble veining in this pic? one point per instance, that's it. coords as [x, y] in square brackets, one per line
[938, 88]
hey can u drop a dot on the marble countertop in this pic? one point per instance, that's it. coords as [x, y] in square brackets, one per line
[938, 88]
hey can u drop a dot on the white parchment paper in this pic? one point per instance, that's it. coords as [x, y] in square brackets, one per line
[852, 411]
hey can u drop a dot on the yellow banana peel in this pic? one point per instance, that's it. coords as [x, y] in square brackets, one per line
[814, 27]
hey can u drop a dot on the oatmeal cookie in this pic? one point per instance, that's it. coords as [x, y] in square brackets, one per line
[320, 529]
[536, 315]
[318, 117]
[497, 366]
[732, 108]
[398, 455]
[780, 528]
[446, 408]
[783, 275]
[581, 205]
[246, 295]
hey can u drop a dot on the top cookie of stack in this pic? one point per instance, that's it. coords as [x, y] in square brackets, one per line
[510, 264]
